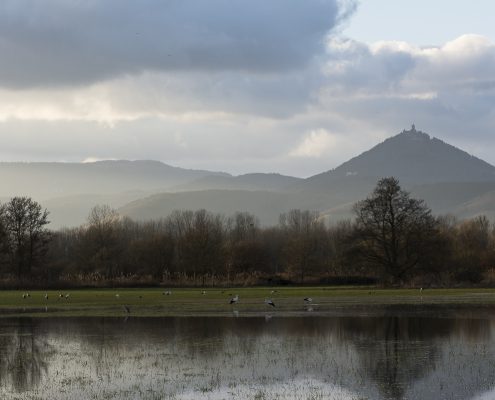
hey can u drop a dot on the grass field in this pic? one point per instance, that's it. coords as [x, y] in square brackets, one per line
[188, 302]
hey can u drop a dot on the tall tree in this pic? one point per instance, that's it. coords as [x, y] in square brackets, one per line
[25, 222]
[101, 247]
[306, 242]
[395, 233]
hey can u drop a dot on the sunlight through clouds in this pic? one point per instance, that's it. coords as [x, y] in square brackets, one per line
[315, 144]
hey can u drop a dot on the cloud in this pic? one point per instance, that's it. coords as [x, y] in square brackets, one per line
[227, 84]
[73, 42]
[465, 64]
[448, 90]
[314, 144]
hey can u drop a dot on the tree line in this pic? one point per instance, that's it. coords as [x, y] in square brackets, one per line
[393, 239]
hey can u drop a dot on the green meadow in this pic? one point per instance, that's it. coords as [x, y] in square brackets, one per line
[197, 301]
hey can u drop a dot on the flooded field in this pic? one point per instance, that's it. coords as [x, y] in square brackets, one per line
[387, 354]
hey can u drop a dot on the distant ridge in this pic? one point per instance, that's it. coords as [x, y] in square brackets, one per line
[448, 178]
[414, 158]
[253, 181]
[54, 179]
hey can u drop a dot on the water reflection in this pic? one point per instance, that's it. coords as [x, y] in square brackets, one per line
[379, 357]
[22, 362]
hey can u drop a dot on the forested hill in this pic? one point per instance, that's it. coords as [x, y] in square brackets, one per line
[448, 178]
[414, 158]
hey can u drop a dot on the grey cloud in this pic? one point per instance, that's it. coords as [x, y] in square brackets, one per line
[449, 90]
[67, 42]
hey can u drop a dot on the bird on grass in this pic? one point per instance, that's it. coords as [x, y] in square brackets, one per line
[126, 309]
[67, 296]
[117, 295]
[24, 295]
[234, 300]
[269, 302]
[203, 292]
[167, 292]
[46, 296]
[308, 299]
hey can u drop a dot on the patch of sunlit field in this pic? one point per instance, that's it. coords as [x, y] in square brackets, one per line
[216, 301]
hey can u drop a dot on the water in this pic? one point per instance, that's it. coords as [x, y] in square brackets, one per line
[384, 355]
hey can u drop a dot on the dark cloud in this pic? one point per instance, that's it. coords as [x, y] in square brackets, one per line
[66, 42]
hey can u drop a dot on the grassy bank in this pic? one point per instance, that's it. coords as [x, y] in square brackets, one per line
[184, 302]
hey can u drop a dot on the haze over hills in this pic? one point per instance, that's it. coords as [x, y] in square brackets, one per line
[449, 179]
[253, 181]
[48, 180]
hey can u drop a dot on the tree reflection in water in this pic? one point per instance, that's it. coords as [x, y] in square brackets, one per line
[22, 350]
[374, 357]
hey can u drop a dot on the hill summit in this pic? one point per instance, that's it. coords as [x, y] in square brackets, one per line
[414, 158]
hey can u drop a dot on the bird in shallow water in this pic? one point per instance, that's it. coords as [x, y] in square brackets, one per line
[235, 299]
[308, 299]
[126, 309]
[269, 302]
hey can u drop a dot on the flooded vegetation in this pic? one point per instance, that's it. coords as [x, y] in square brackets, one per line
[388, 354]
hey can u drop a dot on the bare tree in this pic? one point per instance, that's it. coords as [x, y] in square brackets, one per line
[306, 242]
[26, 222]
[395, 233]
[101, 244]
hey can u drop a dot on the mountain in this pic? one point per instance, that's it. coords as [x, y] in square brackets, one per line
[48, 180]
[449, 179]
[414, 158]
[255, 181]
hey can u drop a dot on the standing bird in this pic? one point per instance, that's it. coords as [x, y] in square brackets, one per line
[67, 296]
[234, 300]
[46, 296]
[126, 309]
[24, 295]
[203, 292]
[269, 302]
[308, 299]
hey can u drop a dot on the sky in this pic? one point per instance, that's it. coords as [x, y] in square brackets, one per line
[289, 86]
